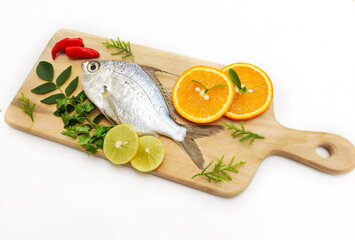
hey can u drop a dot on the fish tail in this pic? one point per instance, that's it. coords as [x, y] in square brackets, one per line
[189, 144]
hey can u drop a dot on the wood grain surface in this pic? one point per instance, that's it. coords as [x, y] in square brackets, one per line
[295, 144]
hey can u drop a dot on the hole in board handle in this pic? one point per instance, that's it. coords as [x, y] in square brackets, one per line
[323, 151]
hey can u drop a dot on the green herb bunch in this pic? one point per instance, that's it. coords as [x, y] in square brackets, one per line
[241, 132]
[74, 110]
[123, 47]
[27, 108]
[219, 171]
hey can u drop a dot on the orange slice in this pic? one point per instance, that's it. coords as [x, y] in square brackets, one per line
[191, 100]
[258, 96]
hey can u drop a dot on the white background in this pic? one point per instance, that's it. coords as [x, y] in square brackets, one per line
[307, 47]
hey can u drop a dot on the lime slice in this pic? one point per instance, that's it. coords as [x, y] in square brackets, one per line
[121, 144]
[150, 154]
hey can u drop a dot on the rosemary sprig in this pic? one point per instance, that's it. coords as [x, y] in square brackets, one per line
[218, 173]
[121, 45]
[241, 132]
[27, 108]
[207, 89]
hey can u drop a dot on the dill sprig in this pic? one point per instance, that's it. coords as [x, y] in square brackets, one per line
[241, 132]
[218, 173]
[121, 45]
[27, 108]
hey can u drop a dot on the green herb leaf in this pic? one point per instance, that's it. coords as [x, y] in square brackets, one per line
[79, 108]
[44, 88]
[99, 142]
[98, 118]
[241, 132]
[89, 106]
[71, 132]
[81, 96]
[235, 78]
[243, 90]
[72, 86]
[201, 84]
[218, 85]
[218, 173]
[207, 89]
[53, 99]
[90, 148]
[90, 134]
[63, 76]
[69, 108]
[45, 71]
[83, 129]
[27, 108]
[66, 118]
[62, 103]
[100, 131]
[84, 139]
[121, 45]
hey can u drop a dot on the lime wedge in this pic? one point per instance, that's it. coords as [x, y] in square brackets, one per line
[121, 144]
[150, 154]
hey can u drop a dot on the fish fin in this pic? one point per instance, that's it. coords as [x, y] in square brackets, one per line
[189, 144]
[106, 95]
[202, 131]
[191, 148]
[166, 94]
[108, 118]
[153, 69]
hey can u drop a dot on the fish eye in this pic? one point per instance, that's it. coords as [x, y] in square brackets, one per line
[93, 66]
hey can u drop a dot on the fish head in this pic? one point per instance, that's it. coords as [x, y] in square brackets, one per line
[91, 72]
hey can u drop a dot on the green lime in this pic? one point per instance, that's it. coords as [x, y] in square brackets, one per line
[121, 144]
[150, 154]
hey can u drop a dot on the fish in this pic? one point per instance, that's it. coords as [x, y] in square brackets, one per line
[129, 93]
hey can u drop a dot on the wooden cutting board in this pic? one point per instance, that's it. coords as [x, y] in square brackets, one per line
[177, 166]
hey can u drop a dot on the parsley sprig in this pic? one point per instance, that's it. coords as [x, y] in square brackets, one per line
[219, 171]
[241, 132]
[27, 108]
[122, 46]
[74, 110]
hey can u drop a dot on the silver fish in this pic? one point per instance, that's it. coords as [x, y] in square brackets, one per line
[128, 93]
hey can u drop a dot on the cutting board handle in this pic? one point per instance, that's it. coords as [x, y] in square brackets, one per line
[301, 146]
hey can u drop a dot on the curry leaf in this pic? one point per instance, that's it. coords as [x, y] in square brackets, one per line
[63, 76]
[45, 71]
[98, 118]
[71, 87]
[53, 99]
[44, 88]
[82, 95]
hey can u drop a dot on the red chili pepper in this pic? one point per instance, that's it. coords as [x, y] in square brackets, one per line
[64, 43]
[81, 52]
